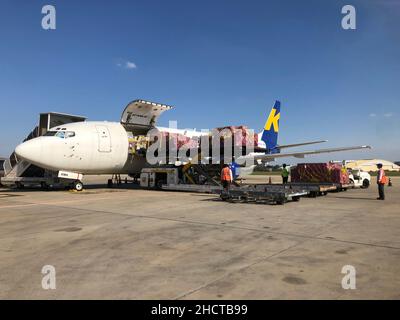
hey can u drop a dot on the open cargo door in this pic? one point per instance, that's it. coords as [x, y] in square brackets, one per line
[140, 116]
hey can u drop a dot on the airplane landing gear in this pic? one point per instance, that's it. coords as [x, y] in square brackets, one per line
[44, 186]
[19, 185]
[78, 186]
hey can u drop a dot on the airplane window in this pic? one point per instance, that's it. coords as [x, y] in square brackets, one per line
[69, 134]
[60, 134]
[50, 133]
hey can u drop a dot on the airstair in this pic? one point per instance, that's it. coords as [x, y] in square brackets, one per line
[21, 173]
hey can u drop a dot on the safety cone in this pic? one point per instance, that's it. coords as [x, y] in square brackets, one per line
[269, 180]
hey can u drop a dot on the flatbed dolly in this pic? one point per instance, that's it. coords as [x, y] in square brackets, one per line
[291, 191]
[313, 189]
[205, 188]
[261, 194]
[322, 188]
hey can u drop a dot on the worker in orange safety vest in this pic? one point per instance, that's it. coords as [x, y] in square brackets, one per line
[381, 180]
[226, 177]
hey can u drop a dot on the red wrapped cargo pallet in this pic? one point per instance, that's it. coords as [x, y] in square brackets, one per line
[319, 173]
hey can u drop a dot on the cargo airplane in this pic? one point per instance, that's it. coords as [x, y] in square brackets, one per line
[92, 147]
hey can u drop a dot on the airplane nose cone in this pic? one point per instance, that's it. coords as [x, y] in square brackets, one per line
[30, 151]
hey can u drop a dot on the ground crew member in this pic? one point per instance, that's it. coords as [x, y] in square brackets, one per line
[344, 169]
[226, 177]
[180, 174]
[381, 181]
[284, 174]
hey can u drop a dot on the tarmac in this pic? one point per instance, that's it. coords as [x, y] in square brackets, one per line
[126, 243]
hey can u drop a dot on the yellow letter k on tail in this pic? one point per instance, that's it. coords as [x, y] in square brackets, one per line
[273, 119]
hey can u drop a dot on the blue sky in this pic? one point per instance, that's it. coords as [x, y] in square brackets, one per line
[218, 62]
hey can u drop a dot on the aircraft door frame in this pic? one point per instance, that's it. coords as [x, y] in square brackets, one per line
[104, 139]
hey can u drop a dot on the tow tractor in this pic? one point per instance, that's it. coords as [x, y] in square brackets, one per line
[359, 178]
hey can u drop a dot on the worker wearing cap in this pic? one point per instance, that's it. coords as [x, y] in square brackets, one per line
[381, 180]
[226, 177]
[284, 174]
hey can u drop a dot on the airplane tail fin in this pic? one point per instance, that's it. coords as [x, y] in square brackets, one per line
[271, 129]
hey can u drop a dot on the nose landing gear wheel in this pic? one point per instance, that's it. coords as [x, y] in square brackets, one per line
[78, 186]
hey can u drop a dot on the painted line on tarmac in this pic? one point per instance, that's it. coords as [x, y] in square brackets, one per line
[55, 202]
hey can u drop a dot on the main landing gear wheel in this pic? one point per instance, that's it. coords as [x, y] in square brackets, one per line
[109, 183]
[19, 185]
[44, 186]
[78, 186]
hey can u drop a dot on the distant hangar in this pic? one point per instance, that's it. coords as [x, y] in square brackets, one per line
[369, 165]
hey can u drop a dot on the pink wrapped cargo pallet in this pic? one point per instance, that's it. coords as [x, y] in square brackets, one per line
[320, 173]
[241, 134]
[179, 140]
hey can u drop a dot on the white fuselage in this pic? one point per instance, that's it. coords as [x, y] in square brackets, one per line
[82, 147]
[90, 147]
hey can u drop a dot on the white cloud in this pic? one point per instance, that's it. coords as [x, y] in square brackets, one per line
[126, 64]
[130, 65]
[386, 115]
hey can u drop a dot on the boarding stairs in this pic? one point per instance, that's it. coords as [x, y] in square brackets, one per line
[13, 167]
[19, 172]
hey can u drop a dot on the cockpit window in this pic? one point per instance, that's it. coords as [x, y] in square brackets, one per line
[60, 134]
[50, 133]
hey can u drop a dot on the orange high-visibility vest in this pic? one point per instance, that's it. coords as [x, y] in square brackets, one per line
[383, 179]
[226, 174]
